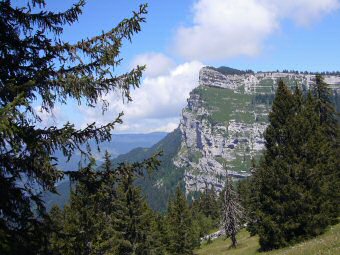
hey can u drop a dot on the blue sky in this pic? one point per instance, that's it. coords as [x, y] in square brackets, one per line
[181, 36]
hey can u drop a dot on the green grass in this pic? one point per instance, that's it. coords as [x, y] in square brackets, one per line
[222, 104]
[328, 243]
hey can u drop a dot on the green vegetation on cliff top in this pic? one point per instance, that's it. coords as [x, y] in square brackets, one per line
[225, 105]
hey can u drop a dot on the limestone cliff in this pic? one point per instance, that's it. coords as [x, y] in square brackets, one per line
[223, 123]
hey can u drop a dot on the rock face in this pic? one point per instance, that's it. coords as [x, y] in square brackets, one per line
[222, 126]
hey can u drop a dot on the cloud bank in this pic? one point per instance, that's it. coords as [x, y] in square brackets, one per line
[227, 28]
[156, 63]
[156, 105]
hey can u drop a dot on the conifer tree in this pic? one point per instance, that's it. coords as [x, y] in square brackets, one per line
[232, 211]
[328, 149]
[36, 65]
[180, 229]
[106, 214]
[246, 191]
[208, 203]
[292, 185]
[274, 187]
[85, 219]
[131, 218]
[324, 107]
[57, 224]
[157, 237]
[206, 212]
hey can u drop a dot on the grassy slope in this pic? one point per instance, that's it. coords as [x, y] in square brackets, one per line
[328, 243]
[222, 103]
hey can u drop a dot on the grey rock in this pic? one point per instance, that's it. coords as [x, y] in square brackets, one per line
[232, 143]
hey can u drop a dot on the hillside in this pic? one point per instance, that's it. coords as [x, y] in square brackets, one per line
[328, 243]
[120, 144]
[159, 185]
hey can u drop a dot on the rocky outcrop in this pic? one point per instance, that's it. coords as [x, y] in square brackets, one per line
[222, 126]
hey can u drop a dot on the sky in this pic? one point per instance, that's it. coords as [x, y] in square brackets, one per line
[181, 36]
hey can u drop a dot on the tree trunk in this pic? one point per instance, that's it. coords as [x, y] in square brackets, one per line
[233, 240]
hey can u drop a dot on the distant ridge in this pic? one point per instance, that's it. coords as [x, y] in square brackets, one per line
[229, 71]
[232, 71]
[120, 144]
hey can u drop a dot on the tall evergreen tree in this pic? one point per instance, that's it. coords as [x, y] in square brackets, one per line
[326, 142]
[208, 203]
[106, 213]
[85, 219]
[324, 106]
[157, 237]
[206, 212]
[246, 190]
[36, 64]
[57, 223]
[291, 184]
[131, 218]
[232, 211]
[180, 229]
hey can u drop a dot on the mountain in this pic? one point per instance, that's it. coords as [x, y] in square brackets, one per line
[163, 182]
[223, 123]
[120, 144]
[221, 128]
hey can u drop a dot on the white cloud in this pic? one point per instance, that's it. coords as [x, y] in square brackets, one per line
[226, 28]
[303, 12]
[156, 105]
[156, 63]
[149, 125]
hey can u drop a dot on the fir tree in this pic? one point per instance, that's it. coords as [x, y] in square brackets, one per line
[84, 219]
[292, 187]
[131, 218]
[208, 203]
[326, 148]
[275, 192]
[157, 237]
[246, 191]
[202, 223]
[106, 213]
[36, 64]
[180, 229]
[232, 211]
[57, 223]
[205, 211]
[324, 106]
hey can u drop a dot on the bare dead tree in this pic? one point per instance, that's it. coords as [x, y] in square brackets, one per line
[232, 211]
